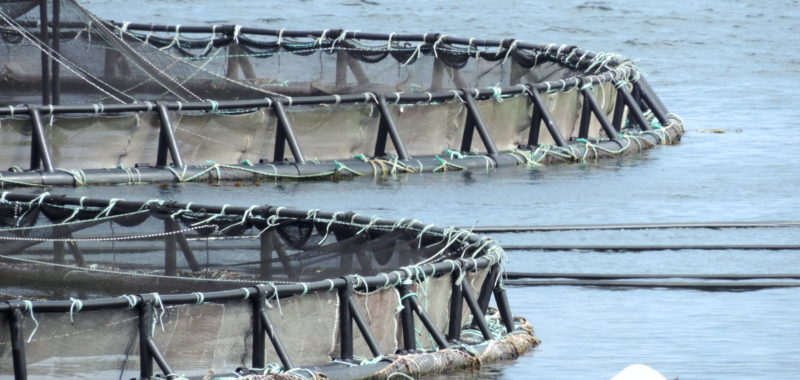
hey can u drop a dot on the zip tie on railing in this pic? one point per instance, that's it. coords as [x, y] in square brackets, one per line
[280, 36]
[210, 43]
[246, 293]
[76, 306]
[389, 43]
[174, 39]
[212, 217]
[132, 300]
[457, 95]
[332, 284]
[276, 297]
[497, 93]
[415, 54]
[181, 211]
[214, 105]
[200, 297]
[510, 49]
[124, 28]
[369, 225]
[322, 38]
[435, 44]
[342, 36]
[237, 30]
[328, 227]
[160, 316]
[29, 308]
[245, 215]
[106, 211]
[370, 96]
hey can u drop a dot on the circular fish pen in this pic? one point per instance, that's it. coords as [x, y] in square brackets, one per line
[172, 103]
[98, 288]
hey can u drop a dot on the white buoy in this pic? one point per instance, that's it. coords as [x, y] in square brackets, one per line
[638, 372]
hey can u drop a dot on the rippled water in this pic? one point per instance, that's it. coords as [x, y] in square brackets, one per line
[731, 65]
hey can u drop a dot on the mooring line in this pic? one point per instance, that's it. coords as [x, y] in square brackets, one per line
[635, 226]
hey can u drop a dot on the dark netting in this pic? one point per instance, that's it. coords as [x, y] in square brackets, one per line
[108, 288]
[111, 251]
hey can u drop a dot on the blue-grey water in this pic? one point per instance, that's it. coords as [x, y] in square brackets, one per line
[730, 65]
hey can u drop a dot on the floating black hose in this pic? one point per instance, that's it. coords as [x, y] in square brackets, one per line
[635, 226]
[653, 247]
[710, 285]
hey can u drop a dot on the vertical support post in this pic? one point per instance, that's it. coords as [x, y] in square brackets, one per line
[357, 70]
[170, 251]
[364, 328]
[437, 77]
[284, 135]
[259, 340]
[387, 128]
[474, 122]
[536, 126]
[456, 308]
[265, 264]
[58, 252]
[345, 321]
[56, 68]
[549, 122]
[634, 111]
[18, 345]
[504, 308]
[40, 152]
[44, 37]
[486, 288]
[160, 360]
[407, 319]
[599, 114]
[145, 327]
[166, 140]
[586, 115]
[183, 243]
[341, 69]
[77, 255]
[619, 111]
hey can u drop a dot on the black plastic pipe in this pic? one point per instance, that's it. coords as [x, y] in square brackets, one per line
[145, 328]
[166, 140]
[259, 341]
[478, 317]
[286, 361]
[346, 321]
[183, 244]
[18, 345]
[56, 67]
[474, 122]
[599, 114]
[652, 104]
[388, 128]
[645, 85]
[437, 336]
[487, 286]
[454, 323]
[549, 122]
[634, 111]
[40, 152]
[374, 348]
[619, 111]
[285, 134]
[160, 360]
[170, 251]
[504, 307]
[583, 129]
[407, 319]
[44, 37]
